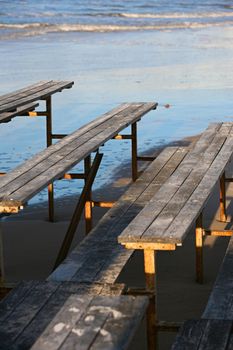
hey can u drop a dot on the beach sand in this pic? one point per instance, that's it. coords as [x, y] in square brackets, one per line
[31, 244]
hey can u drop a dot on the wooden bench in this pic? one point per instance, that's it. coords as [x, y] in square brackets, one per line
[214, 330]
[50, 315]
[20, 111]
[99, 258]
[204, 334]
[101, 246]
[22, 183]
[168, 217]
[23, 103]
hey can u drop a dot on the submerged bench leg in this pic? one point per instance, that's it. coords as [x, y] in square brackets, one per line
[199, 250]
[88, 204]
[150, 276]
[78, 211]
[48, 102]
[134, 152]
[222, 209]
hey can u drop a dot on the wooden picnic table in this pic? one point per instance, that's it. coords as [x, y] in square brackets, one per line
[54, 315]
[166, 220]
[54, 162]
[23, 103]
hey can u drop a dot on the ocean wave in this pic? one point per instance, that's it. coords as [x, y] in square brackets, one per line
[33, 29]
[176, 15]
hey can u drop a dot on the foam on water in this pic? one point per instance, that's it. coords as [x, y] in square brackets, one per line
[28, 18]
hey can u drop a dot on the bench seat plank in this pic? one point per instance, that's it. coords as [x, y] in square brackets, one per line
[51, 312]
[220, 302]
[204, 335]
[31, 94]
[33, 304]
[110, 257]
[6, 117]
[25, 181]
[11, 96]
[166, 218]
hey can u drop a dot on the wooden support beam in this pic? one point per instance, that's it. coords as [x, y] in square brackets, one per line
[73, 176]
[139, 291]
[150, 279]
[2, 270]
[168, 326]
[218, 233]
[88, 204]
[35, 114]
[199, 250]
[122, 137]
[1, 174]
[78, 211]
[146, 158]
[102, 204]
[150, 246]
[49, 143]
[58, 136]
[134, 152]
[228, 179]
[222, 208]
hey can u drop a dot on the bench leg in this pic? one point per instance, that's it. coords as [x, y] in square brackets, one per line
[78, 211]
[222, 209]
[199, 250]
[88, 203]
[150, 276]
[2, 272]
[48, 102]
[134, 152]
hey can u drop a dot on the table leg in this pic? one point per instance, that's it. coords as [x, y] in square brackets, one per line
[199, 250]
[134, 152]
[49, 143]
[150, 276]
[2, 272]
[222, 209]
[78, 211]
[88, 203]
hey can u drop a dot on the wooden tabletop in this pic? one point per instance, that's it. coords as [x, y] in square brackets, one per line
[50, 315]
[41, 90]
[167, 218]
[22, 183]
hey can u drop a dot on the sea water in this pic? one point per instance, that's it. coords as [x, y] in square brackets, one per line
[31, 17]
[172, 52]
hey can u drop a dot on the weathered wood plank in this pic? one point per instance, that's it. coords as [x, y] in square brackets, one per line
[160, 226]
[13, 326]
[89, 138]
[83, 319]
[56, 147]
[55, 171]
[5, 117]
[27, 325]
[220, 302]
[149, 213]
[13, 94]
[199, 198]
[41, 93]
[14, 298]
[110, 257]
[203, 335]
